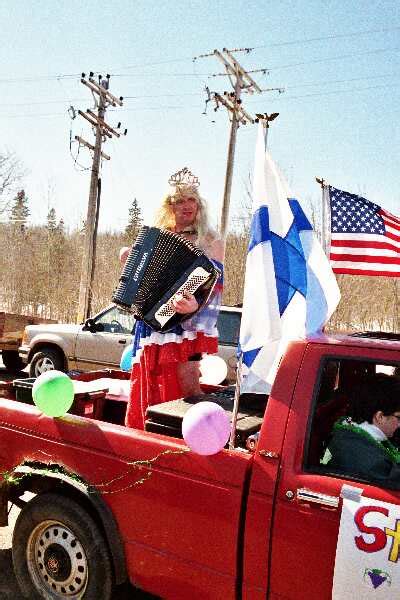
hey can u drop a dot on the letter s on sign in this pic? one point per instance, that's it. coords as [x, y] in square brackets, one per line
[380, 536]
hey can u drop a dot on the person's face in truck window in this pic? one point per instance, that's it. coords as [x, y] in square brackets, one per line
[377, 401]
[388, 424]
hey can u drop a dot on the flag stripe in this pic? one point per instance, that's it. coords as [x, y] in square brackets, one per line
[259, 231]
[395, 221]
[340, 243]
[374, 253]
[391, 224]
[387, 260]
[365, 266]
[342, 270]
[392, 236]
[356, 237]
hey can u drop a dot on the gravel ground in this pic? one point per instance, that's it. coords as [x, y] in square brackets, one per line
[8, 585]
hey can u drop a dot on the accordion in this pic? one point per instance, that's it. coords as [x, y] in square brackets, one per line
[161, 264]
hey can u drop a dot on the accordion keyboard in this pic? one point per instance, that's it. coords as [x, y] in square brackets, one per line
[160, 265]
[194, 281]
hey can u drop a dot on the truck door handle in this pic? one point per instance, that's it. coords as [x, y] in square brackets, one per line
[317, 497]
[121, 341]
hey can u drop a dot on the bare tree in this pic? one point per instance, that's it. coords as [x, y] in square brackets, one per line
[11, 173]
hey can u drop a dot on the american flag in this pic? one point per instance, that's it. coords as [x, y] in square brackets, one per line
[365, 238]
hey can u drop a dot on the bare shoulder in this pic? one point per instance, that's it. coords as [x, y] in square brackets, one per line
[215, 246]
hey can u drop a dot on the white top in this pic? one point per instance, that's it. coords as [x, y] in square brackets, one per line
[373, 430]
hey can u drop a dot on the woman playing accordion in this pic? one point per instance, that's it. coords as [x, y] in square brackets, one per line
[166, 365]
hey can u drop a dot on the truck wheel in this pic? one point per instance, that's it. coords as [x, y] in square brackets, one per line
[45, 360]
[11, 360]
[59, 553]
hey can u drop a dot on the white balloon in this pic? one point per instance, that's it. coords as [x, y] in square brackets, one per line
[213, 370]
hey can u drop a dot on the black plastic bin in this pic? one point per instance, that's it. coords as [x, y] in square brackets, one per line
[86, 404]
[23, 389]
[166, 418]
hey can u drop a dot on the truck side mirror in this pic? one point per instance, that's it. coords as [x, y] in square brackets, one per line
[92, 326]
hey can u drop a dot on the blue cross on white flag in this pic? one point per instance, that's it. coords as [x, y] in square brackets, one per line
[290, 290]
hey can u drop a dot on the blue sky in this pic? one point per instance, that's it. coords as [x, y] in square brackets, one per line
[338, 62]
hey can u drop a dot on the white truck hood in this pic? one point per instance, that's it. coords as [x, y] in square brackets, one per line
[58, 328]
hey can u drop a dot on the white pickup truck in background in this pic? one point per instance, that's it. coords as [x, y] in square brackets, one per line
[99, 342]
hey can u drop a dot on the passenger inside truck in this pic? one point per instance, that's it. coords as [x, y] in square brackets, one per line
[344, 385]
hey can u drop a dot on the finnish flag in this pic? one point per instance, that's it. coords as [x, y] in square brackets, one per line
[290, 290]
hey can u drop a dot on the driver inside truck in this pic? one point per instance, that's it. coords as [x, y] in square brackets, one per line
[361, 444]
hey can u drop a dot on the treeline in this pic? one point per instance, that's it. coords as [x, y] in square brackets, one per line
[40, 269]
[40, 275]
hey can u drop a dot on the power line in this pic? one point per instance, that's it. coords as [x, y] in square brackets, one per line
[327, 59]
[65, 101]
[36, 78]
[373, 87]
[178, 95]
[264, 69]
[185, 107]
[331, 81]
[326, 37]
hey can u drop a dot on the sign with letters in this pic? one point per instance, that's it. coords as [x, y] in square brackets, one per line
[367, 561]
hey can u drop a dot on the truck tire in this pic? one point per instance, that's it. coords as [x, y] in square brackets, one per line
[59, 552]
[46, 360]
[11, 360]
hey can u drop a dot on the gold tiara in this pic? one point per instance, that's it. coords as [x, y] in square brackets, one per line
[184, 177]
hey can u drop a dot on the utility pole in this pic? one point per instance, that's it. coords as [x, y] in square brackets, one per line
[240, 80]
[103, 99]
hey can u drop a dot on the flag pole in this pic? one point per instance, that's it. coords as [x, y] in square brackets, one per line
[235, 409]
[326, 217]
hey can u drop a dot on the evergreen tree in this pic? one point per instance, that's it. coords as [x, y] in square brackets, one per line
[51, 220]
[61, 227]
[20, 211]
[135, 221]
[56, 260]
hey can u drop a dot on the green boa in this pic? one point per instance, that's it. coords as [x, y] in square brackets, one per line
[345, 424]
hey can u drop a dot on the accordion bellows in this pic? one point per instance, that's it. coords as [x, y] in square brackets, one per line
[161, 264]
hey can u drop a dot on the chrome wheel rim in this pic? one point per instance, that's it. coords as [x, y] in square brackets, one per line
[43, 365]
[57, 562]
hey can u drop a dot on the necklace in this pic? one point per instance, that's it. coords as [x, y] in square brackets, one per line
[345, 424]
[187, 232]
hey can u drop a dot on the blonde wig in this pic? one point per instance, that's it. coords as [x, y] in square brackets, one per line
[165, 218]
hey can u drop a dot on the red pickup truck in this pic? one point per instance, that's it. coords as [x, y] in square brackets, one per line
[101, 503]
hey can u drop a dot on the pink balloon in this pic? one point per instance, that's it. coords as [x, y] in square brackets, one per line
[206, 428]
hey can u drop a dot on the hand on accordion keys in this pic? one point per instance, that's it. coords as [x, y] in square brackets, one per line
[185, 304]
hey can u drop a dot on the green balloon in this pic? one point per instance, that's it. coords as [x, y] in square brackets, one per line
[53, 393]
